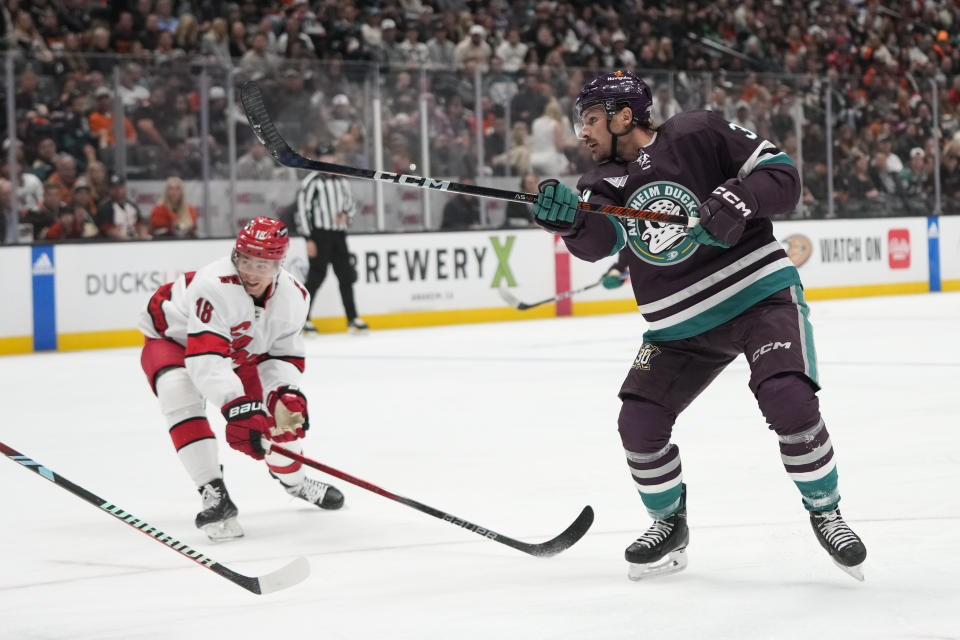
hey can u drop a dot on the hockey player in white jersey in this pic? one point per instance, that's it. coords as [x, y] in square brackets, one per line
[229, 334]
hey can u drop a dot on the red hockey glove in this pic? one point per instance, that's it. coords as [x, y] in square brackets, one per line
[289, 409]
[246, 423]
[724, 214]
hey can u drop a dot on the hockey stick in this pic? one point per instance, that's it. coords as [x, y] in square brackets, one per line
[287, 576]
[267, 132]
[542, 550]
[514, 302]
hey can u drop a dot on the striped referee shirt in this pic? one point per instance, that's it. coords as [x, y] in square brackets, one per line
[320, 198]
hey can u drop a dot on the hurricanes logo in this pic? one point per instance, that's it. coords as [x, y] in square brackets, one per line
[658, 242]
[646, 353]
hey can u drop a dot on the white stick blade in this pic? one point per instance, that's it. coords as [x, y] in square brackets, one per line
[286, 576]
[508, 297]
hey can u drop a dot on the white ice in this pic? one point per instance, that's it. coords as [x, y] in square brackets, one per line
[512, 426]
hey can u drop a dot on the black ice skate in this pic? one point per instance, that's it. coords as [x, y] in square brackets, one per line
[326, 496]
[219, 516]
[662, 549]
[843, 545]
[357, 325]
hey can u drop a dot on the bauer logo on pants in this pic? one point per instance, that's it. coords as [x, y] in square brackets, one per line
[646, 354]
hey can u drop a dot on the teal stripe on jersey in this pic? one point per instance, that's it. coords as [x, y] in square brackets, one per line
[662, 505]
[822, 494]
[727, 309]
[780, 158]
[809, 350]
[621, 235]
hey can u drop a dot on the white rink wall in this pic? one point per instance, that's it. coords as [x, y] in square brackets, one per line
[422, 279]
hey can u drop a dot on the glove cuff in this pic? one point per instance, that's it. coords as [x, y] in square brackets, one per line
[242, 407]
[274, 395]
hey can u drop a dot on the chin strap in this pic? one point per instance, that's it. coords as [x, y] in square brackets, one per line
[613, 143]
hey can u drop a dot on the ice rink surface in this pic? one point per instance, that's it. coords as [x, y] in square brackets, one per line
[511, 426]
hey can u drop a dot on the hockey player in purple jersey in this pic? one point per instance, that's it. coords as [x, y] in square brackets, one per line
[709, 294]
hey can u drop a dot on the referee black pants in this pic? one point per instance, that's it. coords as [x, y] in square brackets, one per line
[332, 250]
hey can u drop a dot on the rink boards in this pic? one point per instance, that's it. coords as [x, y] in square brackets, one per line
[79, 296]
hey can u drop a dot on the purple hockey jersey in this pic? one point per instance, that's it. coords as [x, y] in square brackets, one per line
[682, 288]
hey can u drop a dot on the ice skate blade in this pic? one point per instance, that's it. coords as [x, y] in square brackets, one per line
[673, 562]
[855, 571]
[224, 530]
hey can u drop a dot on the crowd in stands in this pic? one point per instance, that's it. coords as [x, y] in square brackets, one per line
[498, 73]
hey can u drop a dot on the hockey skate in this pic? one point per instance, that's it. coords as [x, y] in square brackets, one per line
[219, 516]
[844, 546]
[357, 325]
[662, 549]
[326, 496]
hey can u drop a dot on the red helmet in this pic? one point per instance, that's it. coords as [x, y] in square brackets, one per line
[263, 238]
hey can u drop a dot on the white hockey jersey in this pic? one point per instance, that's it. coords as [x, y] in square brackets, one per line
[210, 314]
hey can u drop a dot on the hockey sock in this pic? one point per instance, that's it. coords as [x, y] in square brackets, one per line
[182, 406]
[653, 461]
[288, 472]
[790, 405]
[659, 480]
[808, 458]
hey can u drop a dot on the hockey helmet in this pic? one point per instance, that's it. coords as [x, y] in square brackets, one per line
[264, 238]
[614, 91]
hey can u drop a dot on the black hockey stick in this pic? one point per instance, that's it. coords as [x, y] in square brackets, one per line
[514, 302]
[542, 550]
[267, 132]
[287, 576]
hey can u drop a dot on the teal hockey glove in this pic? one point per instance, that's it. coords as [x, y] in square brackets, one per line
[555, 208]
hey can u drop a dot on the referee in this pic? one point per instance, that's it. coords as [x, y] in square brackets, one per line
[324, 205]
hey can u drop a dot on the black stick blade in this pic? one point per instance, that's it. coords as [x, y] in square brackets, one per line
[565, 540]
[262, 125]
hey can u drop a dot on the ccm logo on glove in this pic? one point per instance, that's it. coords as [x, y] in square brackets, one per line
[733, 199]
[244, 409]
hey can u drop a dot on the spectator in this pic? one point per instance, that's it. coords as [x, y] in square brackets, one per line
[665, 106]
[256, 163]
[65, 176]
[96, 178]
[498, 84]
[166, 21]
[462, 211]
[512, 52]
[117, 217]
[517, 159]
[46, 161]
[238, 41]
[179, 161]
[388, 52]
[474, 47]
[529, 101]
[440, 50]
[173, 217]
[83, 197]
[29, 191]
[547, 143]
[864, 198]
[46, 213]
[101, 120]
[259, 63]
[74, 222]
[414, 52]
[291, 34]
[915, 184]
